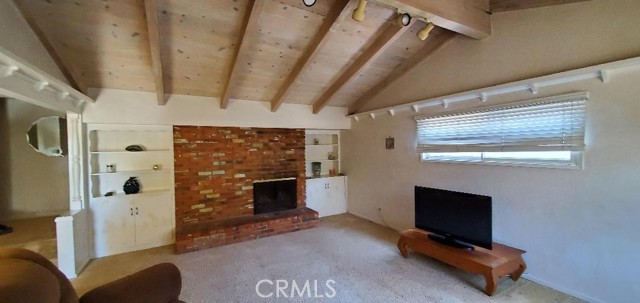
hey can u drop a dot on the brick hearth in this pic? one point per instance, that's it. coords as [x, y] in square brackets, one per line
[215, 168]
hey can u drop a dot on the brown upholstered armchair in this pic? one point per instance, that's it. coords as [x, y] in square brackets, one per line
[26, 276]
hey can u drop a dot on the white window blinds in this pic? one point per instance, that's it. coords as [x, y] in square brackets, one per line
[550, 124]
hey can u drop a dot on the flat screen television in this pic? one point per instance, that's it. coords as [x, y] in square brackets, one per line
[454, 218]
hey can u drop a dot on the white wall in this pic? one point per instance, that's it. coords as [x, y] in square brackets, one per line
[579, 227]
[17, 37]
[38, 184]
[524, 44]
[132, 107]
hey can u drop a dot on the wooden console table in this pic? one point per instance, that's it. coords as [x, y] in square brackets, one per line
[502, 260]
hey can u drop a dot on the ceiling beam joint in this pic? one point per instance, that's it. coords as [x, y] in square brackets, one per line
[68, 70]
[338, 12]
[434, 44]
[390, 34]
[469, 18]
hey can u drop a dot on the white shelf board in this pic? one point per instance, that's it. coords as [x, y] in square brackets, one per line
[144, 192]
[131, 152]
[321, 160]
[124, 172]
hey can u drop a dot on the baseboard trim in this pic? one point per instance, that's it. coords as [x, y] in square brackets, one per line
[365, 218]
[563, 289]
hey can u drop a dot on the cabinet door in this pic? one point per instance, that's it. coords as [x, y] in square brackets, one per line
[317, 194]
[155, 223]
[336, 202]
[113, 225]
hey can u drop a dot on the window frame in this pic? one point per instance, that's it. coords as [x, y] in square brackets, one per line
[576, 161]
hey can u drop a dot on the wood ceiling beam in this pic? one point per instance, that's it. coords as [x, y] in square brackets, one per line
[468, 17]
[249, 30]
[382, 42]
[434, 44]
[68, 70]
[338, 13]
[512, 5]
[151, 11]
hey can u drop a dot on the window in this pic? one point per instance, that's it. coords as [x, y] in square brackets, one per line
[545, 132]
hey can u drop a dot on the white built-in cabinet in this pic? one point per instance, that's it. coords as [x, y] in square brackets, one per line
[121, 222]
[326, 194]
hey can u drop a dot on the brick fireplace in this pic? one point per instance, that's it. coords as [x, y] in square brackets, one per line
[215, 172]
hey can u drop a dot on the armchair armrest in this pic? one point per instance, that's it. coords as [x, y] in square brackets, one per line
[160, 283]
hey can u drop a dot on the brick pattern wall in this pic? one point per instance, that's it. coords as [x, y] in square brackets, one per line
[203, 236]
[215, 168]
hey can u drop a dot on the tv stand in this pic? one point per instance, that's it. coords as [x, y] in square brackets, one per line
[449, 242]
[502, 260]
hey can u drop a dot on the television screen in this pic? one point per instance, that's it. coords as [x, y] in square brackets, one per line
[454, 215]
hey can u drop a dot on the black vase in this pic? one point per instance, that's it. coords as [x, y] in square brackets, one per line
[132, 186]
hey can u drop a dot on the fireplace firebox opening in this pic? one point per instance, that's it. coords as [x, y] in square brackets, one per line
[274, 195]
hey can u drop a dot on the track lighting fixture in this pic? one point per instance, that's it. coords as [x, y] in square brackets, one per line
[424, 33]
[309, 3]
[404, 19]
[358, 13]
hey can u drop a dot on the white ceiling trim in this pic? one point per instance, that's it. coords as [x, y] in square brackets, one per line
[23, 81]
[602, 72]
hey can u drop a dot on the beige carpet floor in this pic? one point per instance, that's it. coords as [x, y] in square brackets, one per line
[35, 234]
[360, 256]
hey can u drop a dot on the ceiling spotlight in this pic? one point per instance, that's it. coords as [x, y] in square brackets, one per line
[424, 33]
[404, 19]
[358, 13]
[309, 3]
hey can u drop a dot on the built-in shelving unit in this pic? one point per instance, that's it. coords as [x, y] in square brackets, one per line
[326, 194]
[136, 221]
[319, 144]
[107, 145]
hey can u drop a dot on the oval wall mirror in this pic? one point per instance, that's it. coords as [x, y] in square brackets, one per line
[48, 136]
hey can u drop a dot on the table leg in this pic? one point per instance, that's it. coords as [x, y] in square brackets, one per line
[492, 283]
[402, 246]
[518, 273]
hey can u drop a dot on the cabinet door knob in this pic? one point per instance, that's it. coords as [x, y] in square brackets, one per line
[131, 211]
[136, 211]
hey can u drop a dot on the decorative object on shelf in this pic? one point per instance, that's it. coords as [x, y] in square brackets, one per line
[316, 141]
[332, 172]
[332, 156]
[111, 168]
[109, 194]
[132, 186]
[134, 148]
[316, 168]
[389, 143]
[157, 167]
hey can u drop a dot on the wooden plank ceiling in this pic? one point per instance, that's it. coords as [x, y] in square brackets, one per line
[277, 51]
